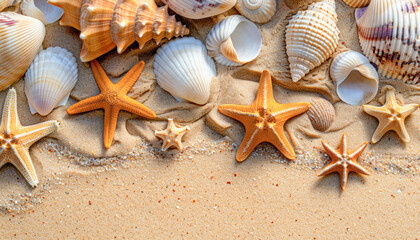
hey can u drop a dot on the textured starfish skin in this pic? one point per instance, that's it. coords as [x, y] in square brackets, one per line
[391, 116]
[172, 135]
[16, 139]
[343, 161]
[264, 120]
[112, 99]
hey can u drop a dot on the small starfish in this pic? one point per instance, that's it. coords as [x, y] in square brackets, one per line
[16, 139]
[172, 135]
[112, 99]
[391, 116]
[264, 120]
[343, 161]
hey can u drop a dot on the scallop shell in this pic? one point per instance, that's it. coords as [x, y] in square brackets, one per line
[7, 3]
[357, 3]
[183, 68]
[20, 40]
[321, 114]
[389, 33]
[50, 79]
[234, 41]
[311, 37]
[260, 11]
[357, 80]
[198, 9]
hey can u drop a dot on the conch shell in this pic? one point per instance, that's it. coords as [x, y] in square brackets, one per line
[357, 3]
[260, 11]
[198, 9]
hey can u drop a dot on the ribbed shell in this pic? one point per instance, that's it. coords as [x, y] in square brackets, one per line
[389, 33]
[7, 3]
[260, 11]
[50, 79]
[20, 40]
[234, 41]
[357, 3]
[311, 38]
[321, 114]
[184, 69]
[198, 9]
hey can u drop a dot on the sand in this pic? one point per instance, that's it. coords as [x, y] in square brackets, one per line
[135, 191]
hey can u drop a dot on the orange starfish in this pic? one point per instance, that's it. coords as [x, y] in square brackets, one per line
[343, 161]
[264, 120]
[112, 99]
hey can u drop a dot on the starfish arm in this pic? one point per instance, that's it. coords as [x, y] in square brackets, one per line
[125, 84]
[30, 134]
[332, 167]
[87, 105]
[334, 155]
[344, 174]
[4, 157]
[280, 141]
[287, 111]
[356, 167]
[130, 105]
[374, 111]
[250, 141]
[358, 152]
[265, 90]
[10, 116]
[380, 131]
[110, 125]
[400, 129]
[100, 76]
[244, 114]
[408, 109]
[24, 164]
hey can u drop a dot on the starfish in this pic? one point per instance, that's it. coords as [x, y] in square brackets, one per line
[264, 120]
[391, 116]
[172, 135]
[16, 139]
[112, 99]
[343, 161]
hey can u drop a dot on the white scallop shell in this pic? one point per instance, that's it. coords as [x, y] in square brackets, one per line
[357, 3]
[184, 69]
[234, 41]
[260, 11]
[7, 3]
[311, 38]
[357, 80]
[389, 33]
[321, 114]
[50, 79]
[198, 9]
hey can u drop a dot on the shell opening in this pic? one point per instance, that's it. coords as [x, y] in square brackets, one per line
[357, 88]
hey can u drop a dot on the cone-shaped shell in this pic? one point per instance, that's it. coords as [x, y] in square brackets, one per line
[260, 11]
[357, 80]
[7, 3]
[20, 40]
[50, 79]
[184, 69]
[311, 38]
[199, 9]
[321, 114]
[234, 41]
[389, 33]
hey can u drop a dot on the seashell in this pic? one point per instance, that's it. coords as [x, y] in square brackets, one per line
[183, 68]
[260, 11]
[8, 3]
[389, 33]
[20, 40]
[321, 114]
[50, 79]
[311, 37]
[357, 3]
[234, 41]
[357, 80]
[105, 24]
[194, 9]
[41, 10]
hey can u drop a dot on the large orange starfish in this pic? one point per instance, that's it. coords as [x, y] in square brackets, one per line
[112, 99]
[264, 120]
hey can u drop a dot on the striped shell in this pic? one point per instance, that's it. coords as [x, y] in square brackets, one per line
[198, 9]
[321, 114]
[357, 3]
[389, 33]
[7, 3]
[260, 11]
[311, 38]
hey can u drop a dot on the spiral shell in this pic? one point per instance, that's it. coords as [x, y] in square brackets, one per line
[198, 9]
[260, 11]
[7, 3]
[321, 114]
[311, 38]
[357, 3]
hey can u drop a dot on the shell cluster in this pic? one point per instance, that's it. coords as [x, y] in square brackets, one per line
[321, 114]
[357, 3]
[260, 11]
[194, 9]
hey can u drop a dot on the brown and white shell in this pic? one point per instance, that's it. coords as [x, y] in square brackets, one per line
[321, 114]
[357, 3]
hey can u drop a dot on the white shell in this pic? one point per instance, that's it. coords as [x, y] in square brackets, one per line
[184, 69]
[260, 11]
[389, 33]
[311, 38]
[357, 3]
[7, 3]
[195, 9]
[50, 79]
[357, 80]
[234, 41]
[41, 10]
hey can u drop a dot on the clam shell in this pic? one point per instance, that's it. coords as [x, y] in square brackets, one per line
[357, 80]
[184, 69]
[20, 40]
[321, 114]
[311, 38]
[357, 3]
[50, 79]
[234, 41]
[260, 11]
[199, 9]
[389, 33]
[7, 3]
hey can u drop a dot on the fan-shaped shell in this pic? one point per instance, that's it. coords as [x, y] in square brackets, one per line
[389, 33]
[357, 3]
[184, 69]
[260, 11]
[20, 40]
[321, 114]
[50, 79]
[199, 9]
[357, 80]
[311, 38]
[234, 41]
[7, 3]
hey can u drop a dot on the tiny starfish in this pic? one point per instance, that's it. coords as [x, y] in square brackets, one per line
[16, 139]
[112, 99]
[172, 135]
[391, 116]
[343, 161]
[264, 120]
